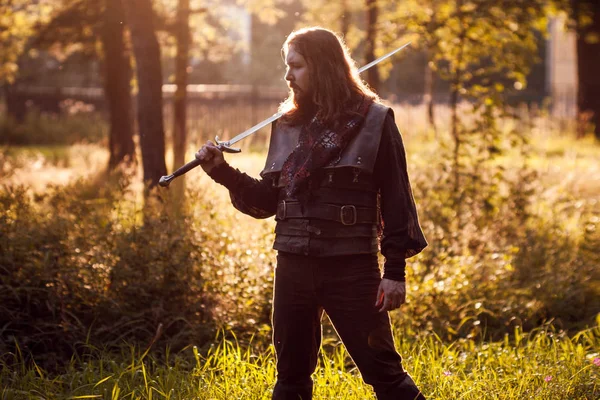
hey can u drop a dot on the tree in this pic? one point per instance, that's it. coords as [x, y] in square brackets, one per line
[140, 18]
[423, 20]
[182, 36]
[367, 37]
[484, 50]
[118, 73]
[337, 15]
[77, 25]
[345, 18]
[372, 10]
[183, 40]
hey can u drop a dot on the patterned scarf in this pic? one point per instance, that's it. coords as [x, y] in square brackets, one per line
[318, 146]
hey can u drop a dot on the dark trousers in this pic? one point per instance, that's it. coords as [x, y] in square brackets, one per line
[346, 288]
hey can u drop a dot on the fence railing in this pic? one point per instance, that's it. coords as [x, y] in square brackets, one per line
[211, 109]
[226, 110]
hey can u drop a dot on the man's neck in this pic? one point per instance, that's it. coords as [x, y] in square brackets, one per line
[307, 110]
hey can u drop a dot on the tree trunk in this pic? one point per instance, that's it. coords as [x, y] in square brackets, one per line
[428, 94]
[588, 66]
[373, 73]
[344, 19]
[456, 134]
[182, 37]
[117, 85]
[454, 129]
[149, 99]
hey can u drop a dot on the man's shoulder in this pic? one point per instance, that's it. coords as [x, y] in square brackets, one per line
[378, 116]
[382, 108]
[379, 104]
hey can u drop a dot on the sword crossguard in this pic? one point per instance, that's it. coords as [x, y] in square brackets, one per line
[224, 146]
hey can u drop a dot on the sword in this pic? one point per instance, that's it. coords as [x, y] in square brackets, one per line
[226, 145]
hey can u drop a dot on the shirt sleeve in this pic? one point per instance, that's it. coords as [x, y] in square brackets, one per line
[402, 235]
[254, 197]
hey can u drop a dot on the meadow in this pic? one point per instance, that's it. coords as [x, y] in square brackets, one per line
[105, 294]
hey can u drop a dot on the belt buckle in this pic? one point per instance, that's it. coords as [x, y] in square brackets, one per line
[284, 209]
[343, 214]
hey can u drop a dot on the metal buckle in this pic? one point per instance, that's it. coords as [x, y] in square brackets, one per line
[343, 214]
[284, 210]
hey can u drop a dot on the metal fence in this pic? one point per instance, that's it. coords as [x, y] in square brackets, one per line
[222, 110]
[226, 110]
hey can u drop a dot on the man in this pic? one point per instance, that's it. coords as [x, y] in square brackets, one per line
[336, 181]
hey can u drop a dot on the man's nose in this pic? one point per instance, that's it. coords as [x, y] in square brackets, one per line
[289, 76]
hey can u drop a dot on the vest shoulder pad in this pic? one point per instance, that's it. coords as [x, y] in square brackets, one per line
[361, 151]
[283, 140]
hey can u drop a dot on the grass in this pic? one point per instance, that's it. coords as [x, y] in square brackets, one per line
[539, 365]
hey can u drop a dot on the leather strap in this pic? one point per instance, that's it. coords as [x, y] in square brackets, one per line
[329, 195]
[346, 214]
[324, 229]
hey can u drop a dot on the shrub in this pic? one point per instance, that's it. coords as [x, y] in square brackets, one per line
[78, 268]
[519, 256]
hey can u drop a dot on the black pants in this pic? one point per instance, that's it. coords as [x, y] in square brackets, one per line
[346, 288]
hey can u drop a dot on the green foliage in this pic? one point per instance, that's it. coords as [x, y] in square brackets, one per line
[540, 365]
[52, 129]
[514, 255]
[79, 269]
[73, 26]
[17, 20]
[87, 265]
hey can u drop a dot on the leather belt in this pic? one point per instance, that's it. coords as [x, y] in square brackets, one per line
[346, 214]
[328, 195]
[323, 229]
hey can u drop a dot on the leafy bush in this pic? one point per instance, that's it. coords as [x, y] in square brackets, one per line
[520, 254]
[77, 267]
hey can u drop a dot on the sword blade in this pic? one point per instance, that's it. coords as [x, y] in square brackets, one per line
[380, 59]
[250, 131]
[275, 117]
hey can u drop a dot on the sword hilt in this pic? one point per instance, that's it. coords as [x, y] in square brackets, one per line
[224, 146]
[166, 180]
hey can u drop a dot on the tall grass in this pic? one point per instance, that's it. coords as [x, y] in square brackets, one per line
[540, 365]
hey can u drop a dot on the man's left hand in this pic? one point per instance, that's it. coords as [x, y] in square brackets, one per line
[391, 295]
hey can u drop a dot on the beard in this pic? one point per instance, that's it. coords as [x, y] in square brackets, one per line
[303, 100]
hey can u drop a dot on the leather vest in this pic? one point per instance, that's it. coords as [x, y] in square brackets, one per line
[342, 216]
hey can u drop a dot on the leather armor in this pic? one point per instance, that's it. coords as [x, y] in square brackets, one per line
[341, 216]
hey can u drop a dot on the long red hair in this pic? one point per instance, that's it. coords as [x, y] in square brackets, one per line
[336, 87]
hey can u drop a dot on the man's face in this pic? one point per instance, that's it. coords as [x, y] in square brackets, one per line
[297, 75]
